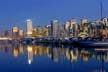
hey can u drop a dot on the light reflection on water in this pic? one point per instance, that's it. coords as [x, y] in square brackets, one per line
[52, 57]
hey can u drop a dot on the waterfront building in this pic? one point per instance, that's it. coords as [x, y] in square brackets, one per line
[84, 28]
[55, 29]
[21, 33]
[15, 32]
[84, 21]
[49, 30]
[34, 32]
[39, 32]
[72, 21]
[45, 31]
[105, 21]
[104, 33]
[73, 28]
[29, 28]
[66, 25]
[62, 32]
[83, 24]
[92, 28]
[66, 28]
[96, 28]
[100, 28]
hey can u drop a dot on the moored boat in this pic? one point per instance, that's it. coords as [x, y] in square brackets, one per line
[93, 43]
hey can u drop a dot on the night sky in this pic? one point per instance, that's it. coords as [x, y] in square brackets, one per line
[15, 12]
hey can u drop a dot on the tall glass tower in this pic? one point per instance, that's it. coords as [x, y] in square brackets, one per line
[55, 29]
[29, 27]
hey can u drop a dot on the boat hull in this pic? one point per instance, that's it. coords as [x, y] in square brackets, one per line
[92, 44]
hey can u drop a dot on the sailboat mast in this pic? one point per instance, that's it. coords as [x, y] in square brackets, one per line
[101, 8]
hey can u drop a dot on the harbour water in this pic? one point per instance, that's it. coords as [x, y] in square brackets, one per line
[52, 58]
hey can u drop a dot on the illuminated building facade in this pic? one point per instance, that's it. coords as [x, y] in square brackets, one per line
[49, 30]
[21, 33]
[73, 28]
[66, 28]
[15, 32]
[34, 32]
[29, 28]
[39, 32]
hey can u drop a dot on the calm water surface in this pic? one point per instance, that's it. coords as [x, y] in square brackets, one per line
[40, 58]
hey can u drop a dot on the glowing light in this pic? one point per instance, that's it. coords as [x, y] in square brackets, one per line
[29, 61]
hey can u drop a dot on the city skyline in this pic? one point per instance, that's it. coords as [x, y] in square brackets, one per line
[53, 35]
[15, 13]
[70, 28]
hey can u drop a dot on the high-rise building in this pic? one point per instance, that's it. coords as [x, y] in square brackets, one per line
[66, 28]
[15, 31]
[92, 28]
[62, 32]
[105, 27]
[55, 29]
[21, 33]
[84, 28]
[84, 21]
[66, 25]
[84, 24]
[39, 31]
[45, 31]
[29, 28]
[73, 28]
[49, 30]
[34, 32]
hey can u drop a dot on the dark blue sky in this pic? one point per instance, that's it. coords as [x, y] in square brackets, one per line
[15, 12]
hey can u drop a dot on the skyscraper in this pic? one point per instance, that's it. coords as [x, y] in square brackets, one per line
[84, 24]
[55, 29]
[29, 27]
[21, 33]
[66, 25]
[49, 30]
[66, 28]
[73, 28]
[84, 21]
